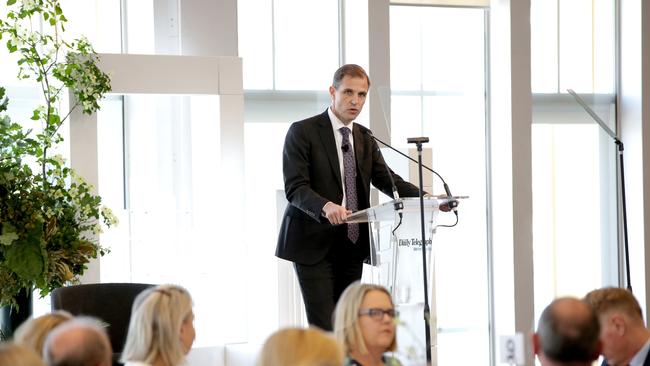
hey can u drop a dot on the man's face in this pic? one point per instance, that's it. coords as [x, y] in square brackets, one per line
[348, 99]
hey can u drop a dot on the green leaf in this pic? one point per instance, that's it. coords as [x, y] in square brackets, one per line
[11, 47]
[11, 2]
[37, 115]
[8, 234]
[24, 256]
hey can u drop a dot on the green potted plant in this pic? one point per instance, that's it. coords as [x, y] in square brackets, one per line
[49, 216]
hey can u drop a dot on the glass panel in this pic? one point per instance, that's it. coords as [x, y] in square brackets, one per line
[263, 144]
[356, 32]
[437, 74]
[405, 48]
[582, 56]
[99, 21]
[574, 199]
[573, 160]
[173, 184]
[255, 32]
[306, 43]
[139, 21]
[544, 46]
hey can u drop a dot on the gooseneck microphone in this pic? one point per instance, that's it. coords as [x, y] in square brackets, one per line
[398, 204]
[453, 204]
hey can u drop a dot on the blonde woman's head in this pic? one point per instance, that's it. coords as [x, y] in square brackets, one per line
[365, 317]
[32, 333]
[161, 326]
[15, 354]
[300, 347]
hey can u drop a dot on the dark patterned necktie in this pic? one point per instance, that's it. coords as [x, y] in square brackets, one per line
[350, 171]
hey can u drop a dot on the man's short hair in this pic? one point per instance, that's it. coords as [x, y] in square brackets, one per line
[568, 331]
[81, 341]
[351, 70]
[613, 298]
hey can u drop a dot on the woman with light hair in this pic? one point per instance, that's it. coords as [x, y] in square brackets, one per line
[33, 332]
[364, 322]
[12, 354]
[300, 347]
[161, 329]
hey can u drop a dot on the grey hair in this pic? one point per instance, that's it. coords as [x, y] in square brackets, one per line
[93, 348]
[569, 334]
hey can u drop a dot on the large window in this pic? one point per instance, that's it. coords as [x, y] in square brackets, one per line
[438, 90]
[573, 160]
[288, 44]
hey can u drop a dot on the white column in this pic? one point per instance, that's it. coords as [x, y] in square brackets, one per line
[634, 115]
[511, 182]
[84, 159]
[208, 28]
[379, 67]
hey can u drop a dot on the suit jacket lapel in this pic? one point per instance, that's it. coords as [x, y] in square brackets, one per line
[329, 145]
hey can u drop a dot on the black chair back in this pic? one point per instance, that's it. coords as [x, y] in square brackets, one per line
[110, 302]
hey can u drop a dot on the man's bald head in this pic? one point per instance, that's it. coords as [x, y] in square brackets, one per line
[568, 331]
[78, 342]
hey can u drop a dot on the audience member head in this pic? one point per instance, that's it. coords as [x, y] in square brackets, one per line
[33, 332]
[12, 354]
[300, 347]
[623, 332]
[161, 327]
[81, 341]
[364, 320]
[567, 333]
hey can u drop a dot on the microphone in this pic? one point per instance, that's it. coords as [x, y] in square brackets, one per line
[399, 205]
[453, 204]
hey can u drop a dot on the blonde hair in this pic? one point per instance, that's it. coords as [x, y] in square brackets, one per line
[613, 298]
[15, 354]
[156, 320]
[33, 332]
[300, 347]
[346, 317]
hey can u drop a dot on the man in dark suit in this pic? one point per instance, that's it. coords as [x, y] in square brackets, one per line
[567, 334]
[329, 163]
[626, 340]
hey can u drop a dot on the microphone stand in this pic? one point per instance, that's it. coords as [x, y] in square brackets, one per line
[452, 203]
[427, 312]
[619, 144]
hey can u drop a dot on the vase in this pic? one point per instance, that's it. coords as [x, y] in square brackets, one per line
[13, 316]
